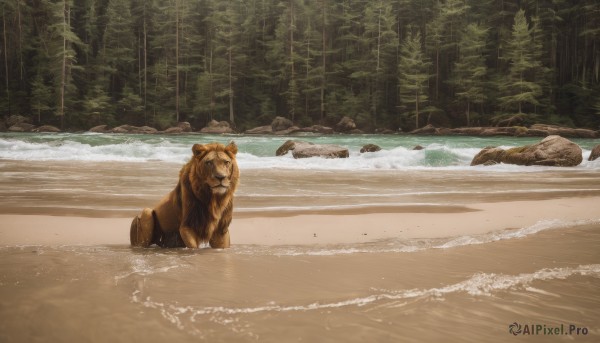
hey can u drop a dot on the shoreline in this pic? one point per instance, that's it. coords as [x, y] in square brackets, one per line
[276, 228]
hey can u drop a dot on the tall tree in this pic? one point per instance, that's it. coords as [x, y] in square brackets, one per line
[413, 76]
[520, 88]
[63, 43]
[470, 70]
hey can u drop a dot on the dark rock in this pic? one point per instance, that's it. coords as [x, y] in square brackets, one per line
[217, 127]
[185, 126]
[261, 130]
[99, 129]
[551, 151]
[356, 132]
[370, 148]
[17, 119]
[301, 149]
[21, 127]
[280, 124]
[47, 128]
[595, 153]
[418, 147]
[345, 124]
[2, 126]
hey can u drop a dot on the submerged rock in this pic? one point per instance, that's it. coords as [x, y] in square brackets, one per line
[370, 148]
[551, 151]
[301, 149]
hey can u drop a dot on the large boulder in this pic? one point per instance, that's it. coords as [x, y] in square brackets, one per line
[16, 119]
[185, 126]
[551, 151]
[345, 124]
[21, 127]
[595, 153]
[217, 127]
[301, 149]
[281, 124]
[261, 130]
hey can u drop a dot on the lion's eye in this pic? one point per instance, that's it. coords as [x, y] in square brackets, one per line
[209, 163]
[227, 163]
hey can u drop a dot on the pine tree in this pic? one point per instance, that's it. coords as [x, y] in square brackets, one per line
[118, 49]
[470, 71]
[62, 46]
[413, 76]
[520, 89]
[41, 94]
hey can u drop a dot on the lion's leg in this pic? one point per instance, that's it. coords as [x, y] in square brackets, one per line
[220, 240]
[142, 229]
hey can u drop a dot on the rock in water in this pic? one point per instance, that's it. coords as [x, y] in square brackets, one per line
[551, 151]
[370, 148]
[595, 153]
[301, 149]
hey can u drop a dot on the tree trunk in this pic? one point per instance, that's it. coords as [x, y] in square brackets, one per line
[63, 76]
[324, 60]
[292, 76]
[6, 78]
[177, 60]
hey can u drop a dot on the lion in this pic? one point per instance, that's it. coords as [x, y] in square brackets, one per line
[199, 209]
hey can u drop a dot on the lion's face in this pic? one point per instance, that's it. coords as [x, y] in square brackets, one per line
[216, 166]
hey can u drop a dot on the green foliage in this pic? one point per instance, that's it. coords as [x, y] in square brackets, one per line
[413, 76]
[158, 61]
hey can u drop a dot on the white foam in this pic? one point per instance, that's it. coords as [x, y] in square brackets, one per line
[481, 284]
[542, 225]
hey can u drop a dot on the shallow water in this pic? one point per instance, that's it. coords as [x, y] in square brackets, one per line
[249, 293]
[465, 288]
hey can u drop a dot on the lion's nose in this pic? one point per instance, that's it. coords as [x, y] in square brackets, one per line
[219, 177]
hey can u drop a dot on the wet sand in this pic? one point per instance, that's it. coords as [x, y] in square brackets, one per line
[290, 228]
[415, 256]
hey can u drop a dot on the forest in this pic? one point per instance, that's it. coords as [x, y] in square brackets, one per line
[395, 64]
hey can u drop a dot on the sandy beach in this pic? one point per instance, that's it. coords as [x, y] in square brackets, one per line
[403, 222]
[328, 256]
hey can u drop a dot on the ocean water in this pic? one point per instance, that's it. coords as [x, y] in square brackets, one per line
[258, 152]
[513, 284]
